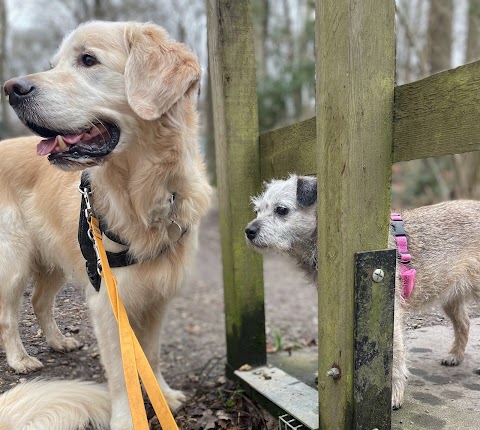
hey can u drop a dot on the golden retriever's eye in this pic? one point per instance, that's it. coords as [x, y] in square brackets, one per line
[88, 60]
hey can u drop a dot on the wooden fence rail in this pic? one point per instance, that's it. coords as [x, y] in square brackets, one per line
[435, 116]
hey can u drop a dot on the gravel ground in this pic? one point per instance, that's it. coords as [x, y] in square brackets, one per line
[194, 337]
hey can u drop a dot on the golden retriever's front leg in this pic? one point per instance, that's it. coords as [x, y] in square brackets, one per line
[149, 338]
[11, 294]
[15, 257]
[106, 331]
[45, 287]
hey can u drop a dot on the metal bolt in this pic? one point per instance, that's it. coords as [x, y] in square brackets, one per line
[378, 275]
[334, 373]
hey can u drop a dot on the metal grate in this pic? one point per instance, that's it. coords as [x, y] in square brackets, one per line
[286, 422]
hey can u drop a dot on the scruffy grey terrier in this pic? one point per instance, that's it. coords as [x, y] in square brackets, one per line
[443, 247]
[287, 221]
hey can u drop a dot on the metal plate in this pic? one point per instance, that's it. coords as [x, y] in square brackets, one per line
[374, 304]
[288, 393]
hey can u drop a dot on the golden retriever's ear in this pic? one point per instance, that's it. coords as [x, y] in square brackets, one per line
[158, 71]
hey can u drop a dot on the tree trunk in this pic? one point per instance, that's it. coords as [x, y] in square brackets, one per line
[208, 132]
[467, 166]
[439, 43]
[439, 53]
[473, 42]
[101, 8]
[260, 23]
[294, 107]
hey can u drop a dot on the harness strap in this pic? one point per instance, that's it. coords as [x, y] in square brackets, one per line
[407, 276]
[134, 361]
[115, 259]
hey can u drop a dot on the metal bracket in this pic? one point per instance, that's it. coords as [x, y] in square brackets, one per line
[374, 308]
[286, 393]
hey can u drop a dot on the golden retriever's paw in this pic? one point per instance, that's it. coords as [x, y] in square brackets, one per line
[122, 424]
[175, 399]
[121, 419]
[451, 360]
[26, 364]
[65, 344]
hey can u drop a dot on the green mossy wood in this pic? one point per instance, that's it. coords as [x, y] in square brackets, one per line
[355, 67]
[232, 66]
[373, 354]
[435, 116]
[289, 149]
[438, 115]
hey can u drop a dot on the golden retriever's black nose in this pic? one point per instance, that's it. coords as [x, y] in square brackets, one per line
[17, 90]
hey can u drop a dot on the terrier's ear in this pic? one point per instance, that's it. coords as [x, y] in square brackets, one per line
[306, 191]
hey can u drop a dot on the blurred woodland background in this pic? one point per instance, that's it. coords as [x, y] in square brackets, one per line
[432, 35]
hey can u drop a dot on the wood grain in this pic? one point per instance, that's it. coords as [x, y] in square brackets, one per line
[232, 66]
[355, 70]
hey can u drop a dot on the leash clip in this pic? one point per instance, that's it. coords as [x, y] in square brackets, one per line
[88, 210]
[97, 253]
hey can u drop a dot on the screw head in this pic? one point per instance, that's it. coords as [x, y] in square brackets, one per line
[333, 372]
[378, 275]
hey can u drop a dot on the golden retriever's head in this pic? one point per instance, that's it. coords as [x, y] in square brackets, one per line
[107, 80]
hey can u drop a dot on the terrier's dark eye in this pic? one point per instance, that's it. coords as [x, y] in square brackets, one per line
[281, 210]
[88, 60]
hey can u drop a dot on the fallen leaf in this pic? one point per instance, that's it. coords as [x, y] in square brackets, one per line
[207, 421]
[222, 415]
[245, 368]
[193, 329]
[271, 348]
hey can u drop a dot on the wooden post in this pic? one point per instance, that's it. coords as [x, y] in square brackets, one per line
[232, 67]
[355, 44]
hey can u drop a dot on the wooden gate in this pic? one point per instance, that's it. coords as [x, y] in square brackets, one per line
[363, 124]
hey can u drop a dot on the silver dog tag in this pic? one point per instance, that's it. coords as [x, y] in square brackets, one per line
[174, 231]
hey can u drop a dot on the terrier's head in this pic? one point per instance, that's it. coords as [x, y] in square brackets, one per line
[286, 214]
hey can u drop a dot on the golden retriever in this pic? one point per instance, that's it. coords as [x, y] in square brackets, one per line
[119, 101]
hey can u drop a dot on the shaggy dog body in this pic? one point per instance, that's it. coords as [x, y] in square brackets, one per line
[443, 240]
[134, 90]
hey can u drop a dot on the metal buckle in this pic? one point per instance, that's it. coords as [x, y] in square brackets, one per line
[397, 227]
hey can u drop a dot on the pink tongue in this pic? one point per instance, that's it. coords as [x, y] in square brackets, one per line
[47, 146]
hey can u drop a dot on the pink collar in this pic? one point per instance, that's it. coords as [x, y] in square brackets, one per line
[407, 276]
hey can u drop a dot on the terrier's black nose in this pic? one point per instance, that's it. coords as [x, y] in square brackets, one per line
[251, 232]
[17, 90]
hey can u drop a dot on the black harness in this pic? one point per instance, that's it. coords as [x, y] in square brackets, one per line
[115, 259]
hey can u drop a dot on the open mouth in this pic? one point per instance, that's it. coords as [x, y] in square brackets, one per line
[88, 146]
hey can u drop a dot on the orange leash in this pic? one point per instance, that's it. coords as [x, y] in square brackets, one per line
[135, 362]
